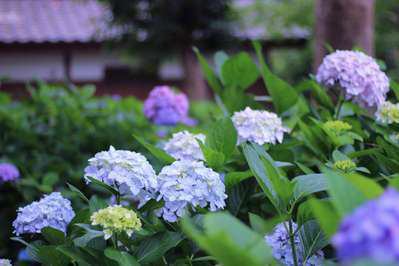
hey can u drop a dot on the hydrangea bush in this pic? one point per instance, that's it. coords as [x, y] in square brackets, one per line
[309, 179]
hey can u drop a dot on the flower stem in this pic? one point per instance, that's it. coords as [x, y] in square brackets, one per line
[339, 105]
[292, 242]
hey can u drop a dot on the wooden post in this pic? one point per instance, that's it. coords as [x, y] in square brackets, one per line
[343, 24]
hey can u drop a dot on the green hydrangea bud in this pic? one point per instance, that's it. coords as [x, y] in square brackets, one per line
[116, 219]
[337, 127]
[345, 165]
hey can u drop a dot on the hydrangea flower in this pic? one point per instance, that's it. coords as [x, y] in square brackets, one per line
[5, 262]
[357, 74]
[52, 210]
[186, 184]
[130, 172]
[279, 241]
[371, 231]
[116, 219]
[388, 113]
[345, 165]
[258, 126]
[8, 172]
[166, 107]
[337, 126]
[184, 146]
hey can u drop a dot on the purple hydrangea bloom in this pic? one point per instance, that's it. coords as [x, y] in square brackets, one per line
[279, 241]
[166, 107]
[52, 210]
[371, 231]
[8, 172]
[357, 74]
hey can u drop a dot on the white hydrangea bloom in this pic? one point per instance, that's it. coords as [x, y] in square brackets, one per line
[388, 113]
[128, 171]
[5, 262]
[258, 126]
[184, 146]
[185, 184]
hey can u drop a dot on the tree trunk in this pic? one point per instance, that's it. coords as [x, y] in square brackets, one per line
[344, 25]
[194, 82]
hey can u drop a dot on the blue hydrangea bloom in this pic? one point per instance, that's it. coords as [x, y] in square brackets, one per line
[52, 210]
[279, 241]
[371, 231]
[8, 172]
[185, 184]
[128, 171]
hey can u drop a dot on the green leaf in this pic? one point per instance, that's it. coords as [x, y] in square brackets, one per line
[77, 191]
[321, 94]
[230, 241]
[349, 191]
[209, 74]
[284, 95]
[259, 171]
[103, 185]
[153, 248]
[53, 236]
[233, 178]
[222, 137]
[326, 215]
[239, 71]
[121, 257]
[50, 179]
[97, 203]
[220, 57]
[213, 158]
[262, 226]
[75, 254]
[49, 255]
[89, 235]
[305, 185]
[312, 238]
[158, 153]
[237, 196]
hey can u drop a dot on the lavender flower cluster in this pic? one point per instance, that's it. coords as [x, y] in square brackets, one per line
[130, 172]
[189, 183]
[371, 231]
[51, 211]
[166, 107]
[8, 172]
[357, 74]
[279, 241]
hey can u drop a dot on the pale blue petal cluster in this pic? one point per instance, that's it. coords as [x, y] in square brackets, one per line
[279, 241]
[371, 231]
[52, 210]
[184, 146]
[5, 262]
[185, 185]
[357, 74]
[258, 126]
[127, 171]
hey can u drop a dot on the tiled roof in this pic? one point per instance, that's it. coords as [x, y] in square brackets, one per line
[38, 21]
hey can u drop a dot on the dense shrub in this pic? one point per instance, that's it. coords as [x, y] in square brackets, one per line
[311, 181]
